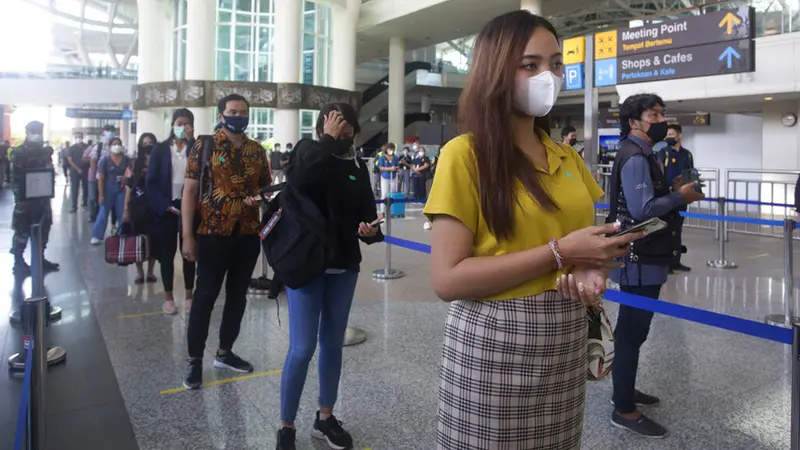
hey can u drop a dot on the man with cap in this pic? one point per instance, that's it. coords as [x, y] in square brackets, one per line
[31, 155]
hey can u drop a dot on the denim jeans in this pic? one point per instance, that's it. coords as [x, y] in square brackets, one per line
[317, 310]
[114, 198]
[92, 188]
[633, 326]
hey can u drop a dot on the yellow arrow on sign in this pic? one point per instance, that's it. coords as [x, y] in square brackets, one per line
[730, 20]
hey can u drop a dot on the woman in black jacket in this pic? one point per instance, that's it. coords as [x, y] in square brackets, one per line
[165, 176]
[137, 213]
[328, 173]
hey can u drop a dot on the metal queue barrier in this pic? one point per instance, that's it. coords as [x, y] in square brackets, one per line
[783, 328]
[31, 427]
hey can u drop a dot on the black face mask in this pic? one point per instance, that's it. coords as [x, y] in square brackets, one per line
[147, 149]
[343, 146]
[573, 141]
[671, 141]
[658, 131]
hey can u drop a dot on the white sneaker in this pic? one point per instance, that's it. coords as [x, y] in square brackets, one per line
[96, 241]
[169, 308]
[113, 229]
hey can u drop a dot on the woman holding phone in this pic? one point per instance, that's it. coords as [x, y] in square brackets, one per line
[330, 174]
[515, 252]
[165, 176]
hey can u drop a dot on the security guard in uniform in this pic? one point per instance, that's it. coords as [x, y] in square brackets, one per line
[31, 155]
[676, 159]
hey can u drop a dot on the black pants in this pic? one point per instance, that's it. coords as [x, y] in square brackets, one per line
[633, 326]
[164, 246]
[218, 256]
[679, 232]
[420, 188]
[78, 182]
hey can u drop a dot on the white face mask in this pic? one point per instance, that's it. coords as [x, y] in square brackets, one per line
[35, 138]
[535, 96]
[117, 149]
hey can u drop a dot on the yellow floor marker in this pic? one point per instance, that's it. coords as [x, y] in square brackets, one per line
[225, 381]
[762, 255]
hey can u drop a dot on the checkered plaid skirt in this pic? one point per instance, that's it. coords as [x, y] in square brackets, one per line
[513, 375]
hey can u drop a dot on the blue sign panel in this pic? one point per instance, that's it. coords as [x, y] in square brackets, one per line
[103, 114]
[573, 76]
[605, 72]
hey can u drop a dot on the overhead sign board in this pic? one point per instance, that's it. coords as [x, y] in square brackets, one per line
[573, 77]
[609, 118]
[105, 114]
[718, 26]
[574, 50]
[699, 61]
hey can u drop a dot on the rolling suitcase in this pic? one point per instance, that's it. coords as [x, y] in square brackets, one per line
[398, 209]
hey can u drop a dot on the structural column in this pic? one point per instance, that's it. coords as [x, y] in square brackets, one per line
[200, 31]
[154, 37]
[287, 39]
[397, 91]
[125, 133]
[534, 6]
[343, 50]
[425, 104]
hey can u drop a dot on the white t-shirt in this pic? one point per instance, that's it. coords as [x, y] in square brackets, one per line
[178, 170]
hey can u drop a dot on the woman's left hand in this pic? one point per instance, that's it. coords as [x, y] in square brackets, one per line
[585, 285]
[252, 201]
[367, 230]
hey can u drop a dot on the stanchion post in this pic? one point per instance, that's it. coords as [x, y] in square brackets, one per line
[38, 425]
[721, 263]
[387, 273]
[787, 318]
[795, 424]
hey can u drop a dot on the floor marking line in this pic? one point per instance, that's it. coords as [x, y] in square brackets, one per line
[225, 381]
[132, 316]
[762, 255]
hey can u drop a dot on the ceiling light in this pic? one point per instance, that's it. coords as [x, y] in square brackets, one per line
[767, 98]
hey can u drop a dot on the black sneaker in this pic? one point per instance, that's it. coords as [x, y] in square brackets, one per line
[50, 266]
[285, 439]
[330, 430]
[232, 362]
[642, 399]
[642, 426]
[679, 268]
[194, 374]
[21, 269]
[73, 210]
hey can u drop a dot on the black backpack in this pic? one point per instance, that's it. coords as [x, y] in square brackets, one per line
[295, 237]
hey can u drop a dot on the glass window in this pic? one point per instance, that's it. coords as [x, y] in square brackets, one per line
[182, 10]
[308, 41]
[241, 66]
[266, 19]
[224, 17]
[226, 4]
[309, 6]
[261, 115]
[243, 34]
[264, 39]
[307, 135]
[223, 69]
[244, 5]
[263, 73]
[224, 37]
[309, 22]
[244, 18]
[308, 68]
[307, 119]
[265, 6]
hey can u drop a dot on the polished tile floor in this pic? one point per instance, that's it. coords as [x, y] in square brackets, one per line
[720, 390]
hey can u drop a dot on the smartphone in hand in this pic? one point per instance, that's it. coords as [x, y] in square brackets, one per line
[648, 226]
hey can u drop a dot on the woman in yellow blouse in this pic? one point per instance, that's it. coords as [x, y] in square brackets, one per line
[512, 214]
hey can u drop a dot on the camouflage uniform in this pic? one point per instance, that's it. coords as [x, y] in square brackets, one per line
[28, 212]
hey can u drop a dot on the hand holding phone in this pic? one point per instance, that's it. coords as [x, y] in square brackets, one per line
[648, 226]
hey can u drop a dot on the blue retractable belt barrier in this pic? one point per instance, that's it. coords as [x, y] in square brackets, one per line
[753, 221]
[405, 200]
[22, 416]
[717, 320]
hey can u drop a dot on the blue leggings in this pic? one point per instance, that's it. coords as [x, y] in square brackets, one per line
[320, 308]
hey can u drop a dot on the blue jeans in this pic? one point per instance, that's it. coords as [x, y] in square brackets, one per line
[92, 188]
[114, 198]
[320, 308]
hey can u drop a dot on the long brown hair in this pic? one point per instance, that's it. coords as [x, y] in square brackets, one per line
[485, 109]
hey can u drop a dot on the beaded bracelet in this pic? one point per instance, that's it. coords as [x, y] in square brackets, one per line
[553, 244]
